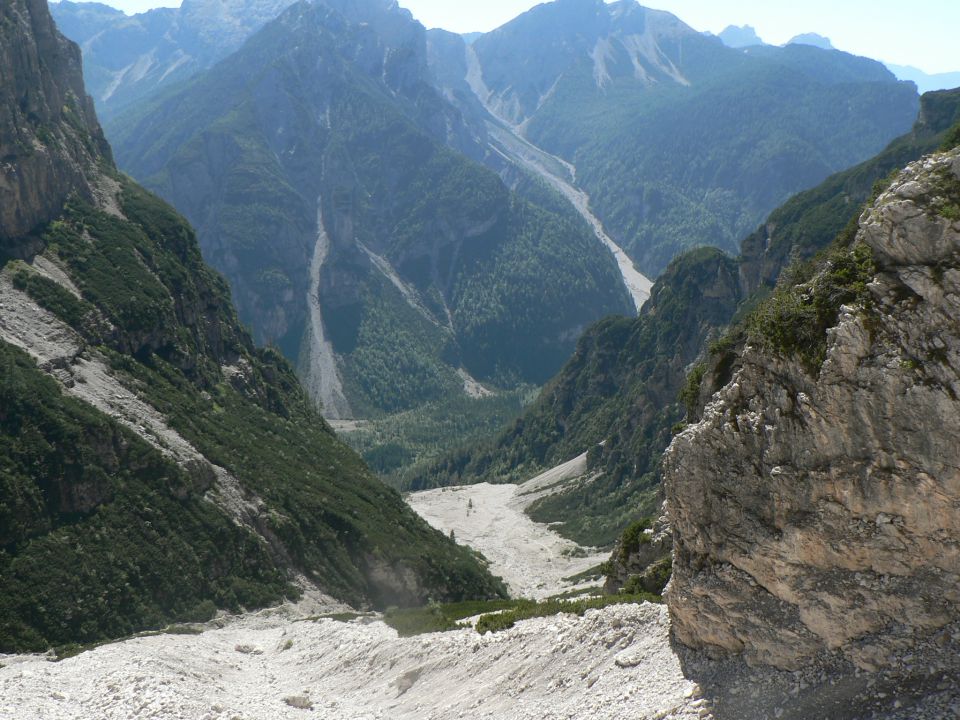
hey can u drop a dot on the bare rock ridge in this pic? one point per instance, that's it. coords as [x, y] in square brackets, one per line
[817, 510]
[49, 134]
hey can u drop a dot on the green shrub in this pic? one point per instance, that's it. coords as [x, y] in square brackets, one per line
[633, 537]
[51, 296]
[795, 319]
[438, 617]
[507, 619]
[690, 394]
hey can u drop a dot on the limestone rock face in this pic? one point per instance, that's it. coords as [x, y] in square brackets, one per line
[818, 515]
[50, 140]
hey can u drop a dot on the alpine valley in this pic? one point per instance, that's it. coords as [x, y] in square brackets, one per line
[655, 330]
[425, 227]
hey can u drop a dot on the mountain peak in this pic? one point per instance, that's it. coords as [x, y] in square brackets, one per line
[812, 39]
[50, 140]
[740, 36]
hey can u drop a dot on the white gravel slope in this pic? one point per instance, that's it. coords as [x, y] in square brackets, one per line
[323, 380]
[530, 557]
[611, 664]
[509, 140]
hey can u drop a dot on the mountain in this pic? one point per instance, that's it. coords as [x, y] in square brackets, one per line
[740, 36]
[650, 160]
[631, 383]
[154, 464]
[332, 185]
[808, 222]
[813, 40]
[815, 505]
[126, 58]
[926, 82]
[676, 140]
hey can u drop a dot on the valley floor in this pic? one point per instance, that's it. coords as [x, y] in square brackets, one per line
[610, 664]
[533, 560]
[617, 663]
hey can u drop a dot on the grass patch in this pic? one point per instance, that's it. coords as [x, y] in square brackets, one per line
[593, 573]
[569, 594]
[506, 620]
[183, 630]
[438, 617]
[501, 614]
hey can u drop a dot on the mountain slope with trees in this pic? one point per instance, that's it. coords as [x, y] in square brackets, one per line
[679, 140]
[430, 264]
[630, 382]
[154, 464]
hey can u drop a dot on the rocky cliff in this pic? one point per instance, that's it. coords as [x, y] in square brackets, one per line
[49, 135]
[815, 506]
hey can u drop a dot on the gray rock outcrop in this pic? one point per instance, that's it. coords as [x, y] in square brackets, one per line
[740, 36]
[50, 140]
[819, 514]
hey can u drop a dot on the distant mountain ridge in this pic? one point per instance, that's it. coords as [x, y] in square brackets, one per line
[623, 94]
[126, 58]
[735, 36]
[926, 82]
[812, 39]
[546, 92]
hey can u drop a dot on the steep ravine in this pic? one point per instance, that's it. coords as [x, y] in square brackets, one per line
[508, 140]
[321, 373]
[815, 506]
[302, 661]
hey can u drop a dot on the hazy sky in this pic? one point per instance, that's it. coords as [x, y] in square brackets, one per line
[922, 33]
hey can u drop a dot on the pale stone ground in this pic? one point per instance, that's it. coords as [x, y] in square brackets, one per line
[531, 558]
[614, 664]
[611, 664]
[281, 664]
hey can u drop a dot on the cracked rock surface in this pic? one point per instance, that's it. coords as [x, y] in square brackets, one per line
[818, 515]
